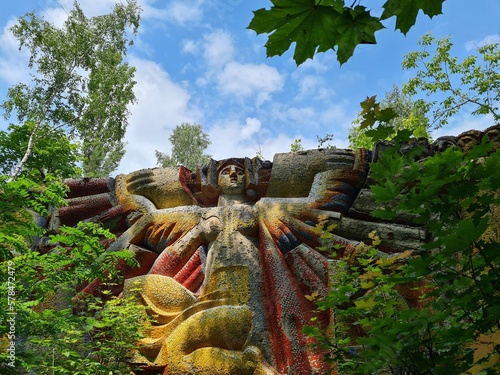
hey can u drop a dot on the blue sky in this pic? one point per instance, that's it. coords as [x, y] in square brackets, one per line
[197, 62]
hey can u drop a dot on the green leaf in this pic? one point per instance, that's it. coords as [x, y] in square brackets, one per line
[406, 11]
[380, 132]
[368, 303]
[338, 5]
[357, 26]
[382, 193]
[314, 27]
[300, 21]
[386, 114]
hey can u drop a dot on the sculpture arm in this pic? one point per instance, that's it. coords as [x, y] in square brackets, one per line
[160, 186]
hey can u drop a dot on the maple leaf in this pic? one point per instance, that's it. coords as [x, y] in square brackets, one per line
[386, 114]
[314, 27]
[406, 11]
[299, 21]
[368, 103]
[356, 26]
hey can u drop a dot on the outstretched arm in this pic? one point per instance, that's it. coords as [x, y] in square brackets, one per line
[160, 186]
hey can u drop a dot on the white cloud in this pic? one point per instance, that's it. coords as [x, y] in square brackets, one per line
[302, 115]
[13, 62]
[56, 16]
[245, 80]
[90, 7]
[227, 141]
[252, 126]
[162, 105]
[317, 64]
[336, 114]
[330, 117]
[231, 77]
[190, 46]
[182, 12]
[233, 139]
[276, 144]
[218, 48]
[230, 138]
[311, 87]
[178, 12]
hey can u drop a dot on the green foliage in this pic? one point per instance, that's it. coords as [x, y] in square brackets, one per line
[260, 153]
[324, 142]
[320, 25]
[61, 342]
[397, 112]
[406, 14]
[80, 91]
[454, 328]
[52, 154]
[453, 194]
[56, 333]
[472, 84]
[189, 141]
[296, 146]
[80, 83]
[21, 202]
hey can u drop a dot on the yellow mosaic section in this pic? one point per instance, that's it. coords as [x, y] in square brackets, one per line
[200, 336]
[228, 283]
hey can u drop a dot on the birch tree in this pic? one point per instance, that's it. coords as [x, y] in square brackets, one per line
[79, 83]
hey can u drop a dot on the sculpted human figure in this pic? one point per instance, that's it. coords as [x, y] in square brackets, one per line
[223, 318]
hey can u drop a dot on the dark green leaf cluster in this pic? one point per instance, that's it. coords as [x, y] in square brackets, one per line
[75, 110]
[320, 25]
[455, 196]
[22, 202]
[57, 330]
[52, 154]
[398, 111]
[453, 328]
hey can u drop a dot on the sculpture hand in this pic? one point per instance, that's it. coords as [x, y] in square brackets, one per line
[160, 185]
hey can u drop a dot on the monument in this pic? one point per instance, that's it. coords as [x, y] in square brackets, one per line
[229, 253]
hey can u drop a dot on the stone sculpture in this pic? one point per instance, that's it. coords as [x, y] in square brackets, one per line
[228, 253]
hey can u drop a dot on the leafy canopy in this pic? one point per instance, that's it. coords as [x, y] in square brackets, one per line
[453, 328]
[320, 25]
[21, 202]
[53, 153]
[472, 84]
[189, 141]
[56, 333]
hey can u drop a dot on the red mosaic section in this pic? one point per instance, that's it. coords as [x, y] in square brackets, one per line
[287, 312]
[191, 275]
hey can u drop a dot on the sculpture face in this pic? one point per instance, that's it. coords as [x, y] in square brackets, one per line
[232, 180]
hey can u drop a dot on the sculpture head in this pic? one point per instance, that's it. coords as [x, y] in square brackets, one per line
[231, 180]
